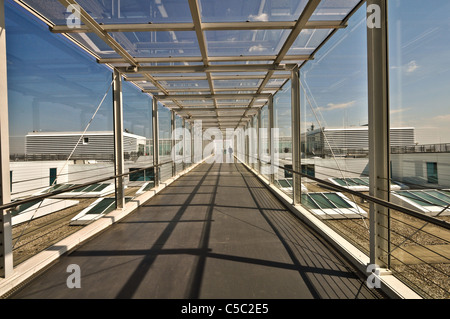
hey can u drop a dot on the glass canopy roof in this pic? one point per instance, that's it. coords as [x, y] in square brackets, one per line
[200, 58]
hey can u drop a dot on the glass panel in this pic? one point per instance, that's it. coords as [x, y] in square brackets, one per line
[245, 42]
[60, 123]
[334, 9]
[307, 200]
[250, 10]
[322, 201]
[308, 41]
[136, 11]
[419, 81]
[337, 200]
[431, 199]
[165, 142]
[158, 44]
[282, 122]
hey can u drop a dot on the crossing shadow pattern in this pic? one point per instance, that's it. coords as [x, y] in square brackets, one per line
[216, 232]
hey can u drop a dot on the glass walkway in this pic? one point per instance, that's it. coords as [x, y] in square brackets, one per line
[216, 232]
[211, 149]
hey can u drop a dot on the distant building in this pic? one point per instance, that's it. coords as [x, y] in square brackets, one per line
[427, 166]
[93, 145]
[352, 142]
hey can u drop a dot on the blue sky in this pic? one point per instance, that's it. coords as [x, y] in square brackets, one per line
[419, 72]
[54, 86]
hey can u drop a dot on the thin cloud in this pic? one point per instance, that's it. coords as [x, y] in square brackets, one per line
[258, 17]
[340, 106]
[442, 118]
[412, 66]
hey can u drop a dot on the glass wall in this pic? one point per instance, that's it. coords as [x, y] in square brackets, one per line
[60, 121]
[264, 145]
[334, 130]
[165, 142]
[137, 123]
[282, 122]
[419, 47]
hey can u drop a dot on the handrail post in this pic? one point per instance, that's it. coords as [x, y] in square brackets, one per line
[6, 254]
[379, 126]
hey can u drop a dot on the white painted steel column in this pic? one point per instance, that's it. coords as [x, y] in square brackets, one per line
[379, 126]
[183, 125]
[6, 254]
[270, 137]
[118, 138]
[172, 141]
[155, 140]
[295, 127]
[258, 142]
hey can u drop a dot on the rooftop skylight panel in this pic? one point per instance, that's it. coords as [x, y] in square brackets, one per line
[250, 10]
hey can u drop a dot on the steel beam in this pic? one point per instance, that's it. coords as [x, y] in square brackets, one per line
[118, 139]
[202, 68]
[6, 253]
[379, 126]
[210, 26]
[212, 96]
[210, 58]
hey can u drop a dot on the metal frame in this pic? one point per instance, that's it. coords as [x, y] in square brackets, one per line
[379, 172]
[128, 64]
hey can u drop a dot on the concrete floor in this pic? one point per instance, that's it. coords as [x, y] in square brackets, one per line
[215, 233]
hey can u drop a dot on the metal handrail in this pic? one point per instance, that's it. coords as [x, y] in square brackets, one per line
[429, 219]
[43, 196]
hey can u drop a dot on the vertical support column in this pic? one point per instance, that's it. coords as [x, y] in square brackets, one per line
[270, 136]
[172, 142]
[258, 142]
[247, 144]
[155, 140]
[6, 254]
[183, 126]
[295, 127]
[378, 88]
[192, 144]
[118, 138]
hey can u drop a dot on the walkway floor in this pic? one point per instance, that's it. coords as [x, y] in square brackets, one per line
[215, 233]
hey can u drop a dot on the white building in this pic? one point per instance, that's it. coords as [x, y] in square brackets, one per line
[350, 141]
[91, 145]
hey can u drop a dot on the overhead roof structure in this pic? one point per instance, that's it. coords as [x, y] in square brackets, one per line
[214, 60]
